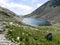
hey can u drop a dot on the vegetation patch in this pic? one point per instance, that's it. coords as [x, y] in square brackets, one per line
[27, 35]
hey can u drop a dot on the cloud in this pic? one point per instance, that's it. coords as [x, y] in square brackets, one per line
[15, 6]
[20, 6]
[34, 1]
[38, 5]
[3, 1]
[24, 0]
[31, 0]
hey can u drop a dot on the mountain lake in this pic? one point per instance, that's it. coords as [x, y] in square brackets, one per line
[35, 22]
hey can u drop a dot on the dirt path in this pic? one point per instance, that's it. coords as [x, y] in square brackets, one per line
[4, 41]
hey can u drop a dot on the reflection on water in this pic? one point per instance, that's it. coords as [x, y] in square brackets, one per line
[35, 22]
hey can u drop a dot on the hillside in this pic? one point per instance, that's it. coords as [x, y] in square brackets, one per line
[7, 18]
[6, 14]
[47, 11]
[13, 32]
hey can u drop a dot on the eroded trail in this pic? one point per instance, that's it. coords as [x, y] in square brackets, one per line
[3, 39]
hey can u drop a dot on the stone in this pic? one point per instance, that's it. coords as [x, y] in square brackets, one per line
[49, 36]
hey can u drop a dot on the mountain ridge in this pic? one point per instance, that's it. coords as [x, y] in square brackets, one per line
[6, 14]
[47, 11]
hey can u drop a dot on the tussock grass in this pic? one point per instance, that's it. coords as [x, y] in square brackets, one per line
[34, 35]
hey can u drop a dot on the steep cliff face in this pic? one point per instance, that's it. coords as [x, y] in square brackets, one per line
[47, 11]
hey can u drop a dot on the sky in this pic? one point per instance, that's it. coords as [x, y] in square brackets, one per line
[22, 7]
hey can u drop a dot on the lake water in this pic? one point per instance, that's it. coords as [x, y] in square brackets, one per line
[35, 22]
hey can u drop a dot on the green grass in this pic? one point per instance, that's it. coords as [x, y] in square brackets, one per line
[34, 35]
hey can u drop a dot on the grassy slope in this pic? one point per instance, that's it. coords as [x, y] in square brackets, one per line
[34, 35]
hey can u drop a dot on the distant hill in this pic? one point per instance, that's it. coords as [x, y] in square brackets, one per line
[48, 11]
